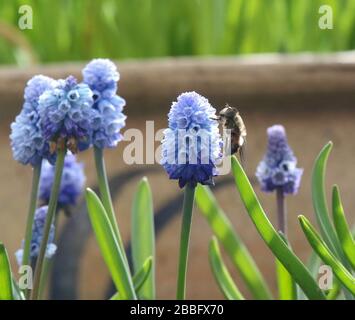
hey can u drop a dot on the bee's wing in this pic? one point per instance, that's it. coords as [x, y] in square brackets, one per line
[242, 153]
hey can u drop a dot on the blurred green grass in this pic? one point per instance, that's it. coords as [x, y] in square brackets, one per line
[83, 29]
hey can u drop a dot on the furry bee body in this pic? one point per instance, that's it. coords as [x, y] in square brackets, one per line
[230, 119]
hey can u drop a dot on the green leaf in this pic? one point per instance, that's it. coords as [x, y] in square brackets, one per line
[273, 240]
[109, 246]
[318, 245]
[139, 278]
[342, 228]
[231, 242]
[5, 275]
[221, 274]
[143, 236]
[334, 292]
[286, 285]
[313, 264]
[17, 293]
[320, 202]
[142, 276]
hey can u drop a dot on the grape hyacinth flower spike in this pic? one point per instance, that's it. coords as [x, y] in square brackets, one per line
[29, 146]
[66, 115]
[71, 186]
[37, 236]
[191, 149]
[27, 141]
[278, 171]
[101, 76]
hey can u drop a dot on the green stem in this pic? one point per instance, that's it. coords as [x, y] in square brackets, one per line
[184, 240]
[48, 262]
[44, 277]
[52, 206]
[105, 193]
[30, 216]
[281, 211]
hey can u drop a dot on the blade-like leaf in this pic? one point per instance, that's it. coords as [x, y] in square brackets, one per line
[326, 255]
[231, 242]
[334, 292]
[286, 285]
[5, 275]
[221, 274]
[142, 275]
[273, 240]
[17, 293]
[139, 278]
[313, 264]
[342, 228]
[143, 236]
[109, 247]
[320, 202]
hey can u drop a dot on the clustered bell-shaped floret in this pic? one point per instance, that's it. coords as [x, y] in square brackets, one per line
[101, 76]
[72, 183]
[191, 147]
[278, 167]
[66, 113]
[37, 235]
[27, 141]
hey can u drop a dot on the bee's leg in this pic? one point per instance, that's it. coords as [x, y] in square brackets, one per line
[234, 149]
[209, 182]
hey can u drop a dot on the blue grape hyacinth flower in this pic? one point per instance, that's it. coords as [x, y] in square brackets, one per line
[191, 147]
[66, 113]
[72, 183]
[101, 76]
[278, 169]
[37, 235]
[27, 141]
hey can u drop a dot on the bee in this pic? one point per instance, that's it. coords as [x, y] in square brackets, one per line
[229, 117]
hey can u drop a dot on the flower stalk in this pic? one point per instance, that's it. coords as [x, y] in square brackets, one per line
[105, 193]
[184, 240]
[52, 206]
[30, 217]
[31, 214]
[281, 211]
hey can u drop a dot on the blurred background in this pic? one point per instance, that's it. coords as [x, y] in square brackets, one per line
[268, 57]
[67, 30]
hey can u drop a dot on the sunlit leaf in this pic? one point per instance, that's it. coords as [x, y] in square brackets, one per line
[286, 285]
[142, 276]
[334, 292]
[320, 202]
[5, 275]
[234, 246]
[313, 264]
[109, 247]
[221, 274]
[139, 278]
[143, 236]
[318, 245]
[273, 240]
[17, 293]
[342, 228]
